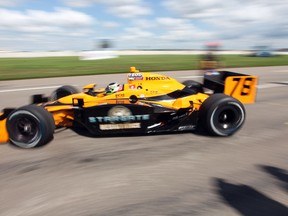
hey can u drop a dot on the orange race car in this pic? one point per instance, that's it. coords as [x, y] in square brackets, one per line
[147, 103]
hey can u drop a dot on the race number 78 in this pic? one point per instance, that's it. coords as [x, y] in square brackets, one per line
[242, 87]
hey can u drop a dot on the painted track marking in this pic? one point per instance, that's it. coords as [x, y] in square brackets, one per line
[28, 89]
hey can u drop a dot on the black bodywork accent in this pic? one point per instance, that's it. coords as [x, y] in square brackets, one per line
[148, 119]
[215, 80]
[100, 114]
[6, 113]
[38, 98]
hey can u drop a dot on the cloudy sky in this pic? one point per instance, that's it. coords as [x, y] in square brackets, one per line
[29, 25]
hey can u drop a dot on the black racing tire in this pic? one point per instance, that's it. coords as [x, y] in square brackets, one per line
[221, 115]
[195, 86]
[63, 91]
[30, 127]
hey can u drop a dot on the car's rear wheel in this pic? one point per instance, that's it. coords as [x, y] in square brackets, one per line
[63, 91]
[30, 126]
[221, 115]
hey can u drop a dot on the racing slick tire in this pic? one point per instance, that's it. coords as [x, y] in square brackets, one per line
[195, 86]
[221, 115]
[63, 91]
[30, 126]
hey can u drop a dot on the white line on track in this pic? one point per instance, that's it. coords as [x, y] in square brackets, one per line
[280, 71]
[28, 89]
[271, 85]
[268, 85]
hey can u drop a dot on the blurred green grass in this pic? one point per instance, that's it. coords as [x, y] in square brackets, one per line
[24, 68]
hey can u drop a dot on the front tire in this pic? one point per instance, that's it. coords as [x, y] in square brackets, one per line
[30, 126]
[222, 115]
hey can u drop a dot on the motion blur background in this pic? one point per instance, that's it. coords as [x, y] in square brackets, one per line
[57, 25]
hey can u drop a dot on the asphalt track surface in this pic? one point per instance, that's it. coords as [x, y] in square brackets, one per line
[156, 175]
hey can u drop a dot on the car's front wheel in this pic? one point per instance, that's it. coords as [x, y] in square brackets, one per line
[30, 126]
[221, 115]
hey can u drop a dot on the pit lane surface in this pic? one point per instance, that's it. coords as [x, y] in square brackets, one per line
[178, 174]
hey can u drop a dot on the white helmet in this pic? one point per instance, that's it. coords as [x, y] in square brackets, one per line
[112, 87]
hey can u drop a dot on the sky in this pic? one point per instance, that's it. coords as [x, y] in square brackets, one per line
[50, 25]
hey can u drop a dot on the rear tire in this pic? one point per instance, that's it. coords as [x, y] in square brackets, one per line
[30, 126]
[221, 115]
[63, 92]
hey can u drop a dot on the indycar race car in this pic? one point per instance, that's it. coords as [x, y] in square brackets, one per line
[147, 103]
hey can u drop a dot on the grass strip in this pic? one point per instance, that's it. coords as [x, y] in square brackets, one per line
[27, 68]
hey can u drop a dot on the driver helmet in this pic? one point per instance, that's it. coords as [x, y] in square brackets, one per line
[112, 88]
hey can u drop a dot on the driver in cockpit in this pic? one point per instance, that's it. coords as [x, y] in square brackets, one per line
[113, 87]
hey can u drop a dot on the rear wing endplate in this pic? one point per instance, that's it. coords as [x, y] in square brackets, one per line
[239, 86]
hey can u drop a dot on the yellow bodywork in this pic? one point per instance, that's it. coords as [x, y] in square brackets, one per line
[4, 137]
[143, 86]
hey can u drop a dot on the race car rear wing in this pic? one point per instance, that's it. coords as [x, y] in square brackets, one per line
[237, 85]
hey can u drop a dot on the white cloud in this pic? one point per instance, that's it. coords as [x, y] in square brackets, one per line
[42, 21]
[170, 22]
[129, 11]
[10, 3]
[119, 8]
[235, 19]
[182, 23]
[135, 38]
[143, 23]
[44, 42]
[176, 29]
[135, 33]
[38, 30]
[110, 24]
[195, 8]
